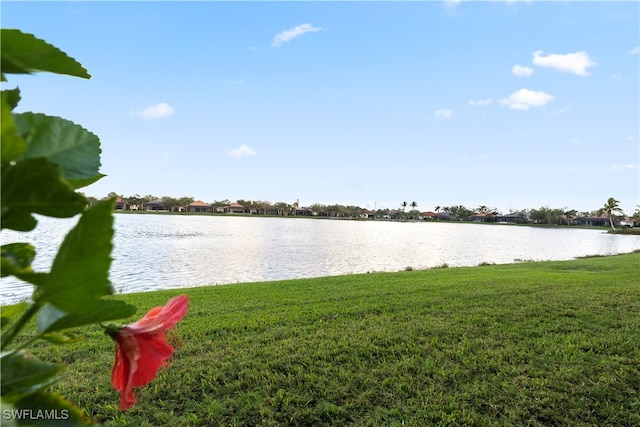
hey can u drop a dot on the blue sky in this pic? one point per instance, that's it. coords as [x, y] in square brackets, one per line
[512, 105]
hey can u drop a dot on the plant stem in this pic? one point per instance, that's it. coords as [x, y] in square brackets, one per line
[13, 331]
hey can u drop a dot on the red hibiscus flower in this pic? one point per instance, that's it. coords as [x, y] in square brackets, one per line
[141, 348]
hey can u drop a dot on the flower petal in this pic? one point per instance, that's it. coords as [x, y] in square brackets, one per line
[162, 318]
[154, 353]
[141, 348]
[125, 366]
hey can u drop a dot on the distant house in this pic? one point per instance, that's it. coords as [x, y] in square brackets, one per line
[394, 214]
[199, 206]
[154, 205]
[598, 221]
[513, 218]
[121, 205]
[479, 217]
[303, 212]
[367, 214]
[429, 215]
[235, 208]
[272, 211]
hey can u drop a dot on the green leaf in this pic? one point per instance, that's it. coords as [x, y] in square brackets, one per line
[17, 258]
[35, 186]
[79, 275]
[17, 220]
[23, 53]
[62, 338]
[12, 96]
[37, 279]
[50, 410]
[72, 147]
[11, 311]
[23, 374]
[13, 144]
[51, 318]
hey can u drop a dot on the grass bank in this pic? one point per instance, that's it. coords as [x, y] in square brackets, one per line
[538, 344]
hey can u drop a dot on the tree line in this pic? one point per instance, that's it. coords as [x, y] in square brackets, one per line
[542, 215]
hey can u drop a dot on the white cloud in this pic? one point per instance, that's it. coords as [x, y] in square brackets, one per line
[444, 114]
[450, 4]
[576, 63]
[524, 99]
[635, 50]
[621, 167]
[480, 103]
[242, 151]
[521, 71]
[157, 111]
[288, 35]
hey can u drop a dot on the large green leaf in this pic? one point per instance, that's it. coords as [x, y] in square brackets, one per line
[9, 312]
[23, 374]
[79, 275]
[23, 53]
[62, 338]
[72, 147]
[51, 319]
[12, 143]
[36, 186]
[17, 258]
[12, 96]
[17, 220]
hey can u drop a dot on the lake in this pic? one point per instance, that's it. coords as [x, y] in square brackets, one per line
[161, 251]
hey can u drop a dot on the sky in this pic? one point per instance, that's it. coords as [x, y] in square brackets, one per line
[507, 104]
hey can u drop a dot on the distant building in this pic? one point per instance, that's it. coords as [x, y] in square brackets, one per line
[155, 205]
[598, 221]
[121, 205]
[199, 206]
[235, 208]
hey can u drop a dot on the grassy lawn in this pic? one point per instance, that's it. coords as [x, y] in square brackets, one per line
[538, 344]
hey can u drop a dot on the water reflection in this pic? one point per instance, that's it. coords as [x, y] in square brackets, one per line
[167, 251]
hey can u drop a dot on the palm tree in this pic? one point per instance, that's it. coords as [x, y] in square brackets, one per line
[611, 207]
[414, 211]
[570, 214]
[636, 216]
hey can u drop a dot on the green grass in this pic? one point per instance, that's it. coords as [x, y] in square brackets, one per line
[534, 344]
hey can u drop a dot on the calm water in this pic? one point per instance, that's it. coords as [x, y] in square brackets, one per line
[170, 251]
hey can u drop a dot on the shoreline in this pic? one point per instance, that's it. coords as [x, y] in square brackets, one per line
[350, 275]
[624, 231]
